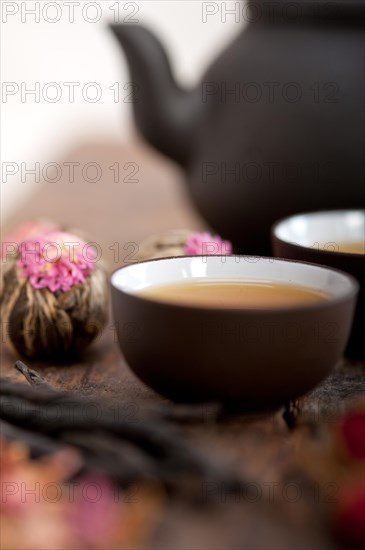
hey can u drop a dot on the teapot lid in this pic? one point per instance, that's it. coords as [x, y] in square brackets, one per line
[287, 10]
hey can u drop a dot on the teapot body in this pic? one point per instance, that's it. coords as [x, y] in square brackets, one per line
[276, 126]
[282, 129]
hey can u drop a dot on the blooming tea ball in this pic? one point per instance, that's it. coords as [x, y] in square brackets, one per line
[53, 295]
[183, 242]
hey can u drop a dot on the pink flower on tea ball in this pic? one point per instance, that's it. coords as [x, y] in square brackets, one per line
[32, 228]
[56, 261]
[206, 244]
[24, 231]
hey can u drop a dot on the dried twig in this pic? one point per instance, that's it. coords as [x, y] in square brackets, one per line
[32, 376]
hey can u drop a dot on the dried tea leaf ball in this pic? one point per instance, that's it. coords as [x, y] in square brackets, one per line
[54, 295]
[163, 245]
[183, 242]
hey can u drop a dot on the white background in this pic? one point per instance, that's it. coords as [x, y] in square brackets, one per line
[82, 51]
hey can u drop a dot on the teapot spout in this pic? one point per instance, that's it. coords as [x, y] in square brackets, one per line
[166, 115]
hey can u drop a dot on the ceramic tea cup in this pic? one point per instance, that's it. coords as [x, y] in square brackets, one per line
[329, 238]
[255, 358]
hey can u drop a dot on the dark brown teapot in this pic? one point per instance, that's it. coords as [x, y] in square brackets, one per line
[276, 125]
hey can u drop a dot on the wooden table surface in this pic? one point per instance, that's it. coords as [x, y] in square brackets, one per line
[260, 447]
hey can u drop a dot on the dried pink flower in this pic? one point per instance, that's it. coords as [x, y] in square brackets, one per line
[31, 228]
[56, 261]
[24, 231]
[206, 244]
[97, 511]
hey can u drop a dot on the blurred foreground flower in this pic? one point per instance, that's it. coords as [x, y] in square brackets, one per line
[334, 461]
[41, 510]
[353, 434]
[349, 515]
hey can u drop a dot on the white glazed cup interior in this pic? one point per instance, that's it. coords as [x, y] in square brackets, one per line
[138, 276]
[323, 230]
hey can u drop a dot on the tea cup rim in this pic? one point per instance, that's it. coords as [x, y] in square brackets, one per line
[352, 291]
[315, 213]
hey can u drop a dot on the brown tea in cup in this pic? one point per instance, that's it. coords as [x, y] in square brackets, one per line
[234, 294]
[352, 247]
